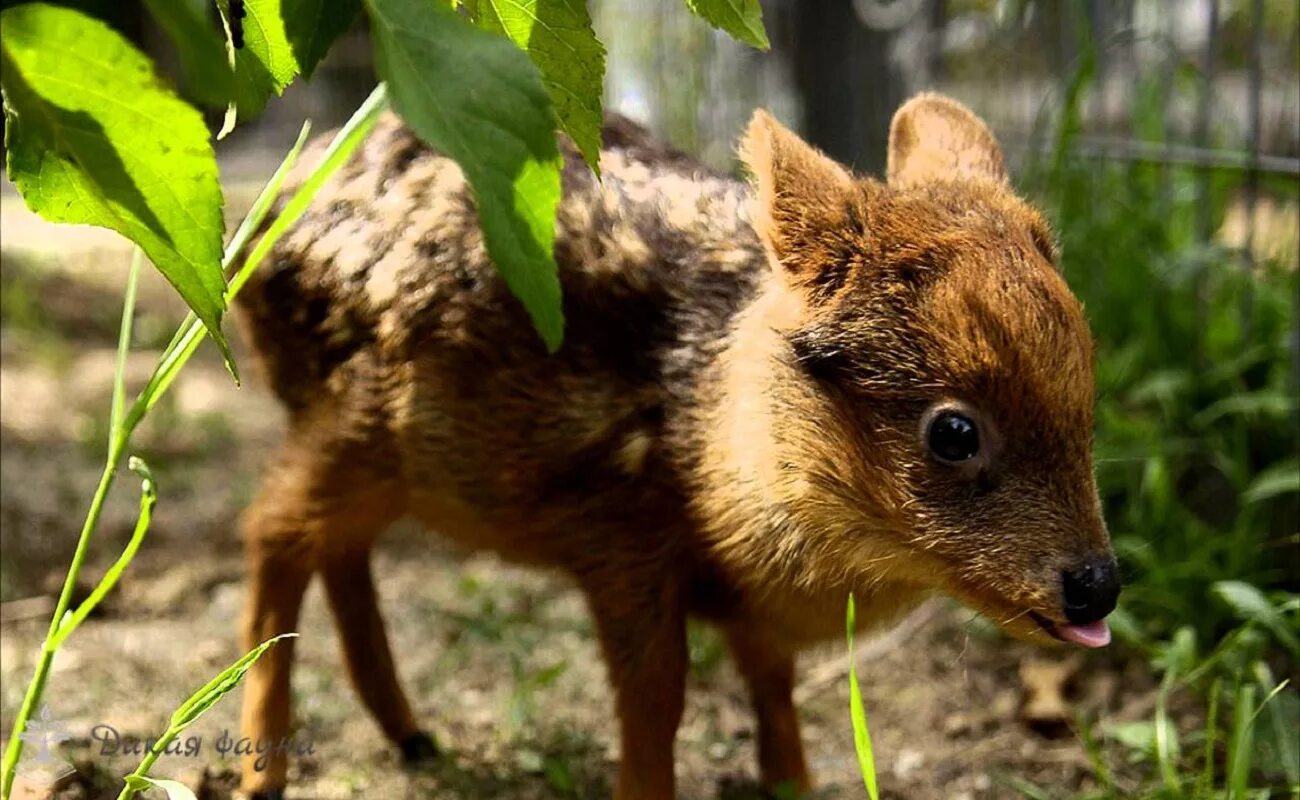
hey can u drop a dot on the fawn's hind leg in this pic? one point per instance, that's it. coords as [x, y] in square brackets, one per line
[768, 670]
[350, 587]
[280, 554]
[318, 509]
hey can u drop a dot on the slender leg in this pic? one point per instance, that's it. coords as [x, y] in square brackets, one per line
[644, 642]
[768, 670]
[350, 587]
[316, 505]
[280, 565]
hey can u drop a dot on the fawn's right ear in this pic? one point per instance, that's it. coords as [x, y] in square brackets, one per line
[804, 210]
[933, 137]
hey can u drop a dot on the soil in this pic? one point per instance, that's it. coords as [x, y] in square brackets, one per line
[501, 663]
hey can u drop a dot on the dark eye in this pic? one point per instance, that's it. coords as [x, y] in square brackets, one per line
[953, 437]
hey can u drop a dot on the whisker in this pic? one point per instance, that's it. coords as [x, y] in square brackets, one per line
[1010, 620]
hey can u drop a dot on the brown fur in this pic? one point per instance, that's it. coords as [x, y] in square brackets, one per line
[731, 429]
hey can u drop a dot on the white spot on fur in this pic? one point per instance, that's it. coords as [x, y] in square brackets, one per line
[632, 454]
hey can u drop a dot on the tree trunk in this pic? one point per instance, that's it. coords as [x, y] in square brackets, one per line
[849, 85]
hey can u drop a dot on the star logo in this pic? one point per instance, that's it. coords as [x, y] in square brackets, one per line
[43, 734]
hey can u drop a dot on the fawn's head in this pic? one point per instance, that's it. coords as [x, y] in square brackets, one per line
[946, 388]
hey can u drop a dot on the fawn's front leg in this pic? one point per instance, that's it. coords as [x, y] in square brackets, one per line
[642, 627]
[768, 670]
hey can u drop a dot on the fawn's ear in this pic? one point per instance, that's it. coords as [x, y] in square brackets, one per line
[804, 210]
[934, 137]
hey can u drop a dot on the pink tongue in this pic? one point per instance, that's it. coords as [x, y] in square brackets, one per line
[1094, 634]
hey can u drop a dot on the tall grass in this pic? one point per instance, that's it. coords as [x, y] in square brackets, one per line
[858, 712]
[1198, 453]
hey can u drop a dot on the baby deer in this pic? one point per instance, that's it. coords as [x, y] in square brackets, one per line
[766, 399]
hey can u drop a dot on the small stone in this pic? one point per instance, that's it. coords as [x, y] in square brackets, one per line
[908, 762]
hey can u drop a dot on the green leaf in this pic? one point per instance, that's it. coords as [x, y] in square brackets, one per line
[175, 789]
[312, 27]
[557, 36]
[148, 498]
[283, 39]
[189, 335]
[494, 119]
[1250, 604]
[1262, 404]
[220, 686]
[198, 44]
[1139, 735]
[93, 137]
[1279, 479]
[743, 19]
[858, 713]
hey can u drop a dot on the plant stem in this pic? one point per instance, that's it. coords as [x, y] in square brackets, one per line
[13, 751]
[150, 756]
[124, 345]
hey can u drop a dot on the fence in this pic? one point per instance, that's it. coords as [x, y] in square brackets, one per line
[1206, 86]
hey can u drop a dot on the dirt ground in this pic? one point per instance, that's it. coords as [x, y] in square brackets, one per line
[501, 663]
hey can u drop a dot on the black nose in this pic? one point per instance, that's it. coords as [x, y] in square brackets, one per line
[1091, 591]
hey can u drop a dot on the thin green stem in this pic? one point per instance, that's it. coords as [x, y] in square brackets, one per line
[124, 344]
[117, 441]
[182, 346]
[13, 751]
[151, 755]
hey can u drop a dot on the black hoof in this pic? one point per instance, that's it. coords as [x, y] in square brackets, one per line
[418, 750]
[274, 794]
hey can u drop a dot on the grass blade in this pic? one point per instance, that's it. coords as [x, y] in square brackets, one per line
[262, 205]
[858, 712]
[124, 347]
[1211, 736]
[340, 149]
[1166, 738]
[1251, 605]
[1240, 749]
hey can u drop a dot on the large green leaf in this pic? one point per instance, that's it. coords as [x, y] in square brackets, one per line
[281, 40]
[202, 53]
[743, 19]
[476, 97]
[557, 36]
[94, 137]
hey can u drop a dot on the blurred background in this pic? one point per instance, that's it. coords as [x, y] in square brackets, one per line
[1162, 137]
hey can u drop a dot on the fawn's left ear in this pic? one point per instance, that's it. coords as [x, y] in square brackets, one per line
[804, 210]
[934, 137]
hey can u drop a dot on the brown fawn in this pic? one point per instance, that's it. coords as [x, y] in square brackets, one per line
[767, 398]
